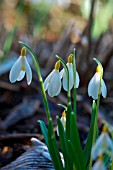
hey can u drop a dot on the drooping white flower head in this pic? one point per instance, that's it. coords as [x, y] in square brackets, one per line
[71, 76]
[63, 120]
[53, 81]
[103, 144]
[99, 164]
[20, 68]
[94, 85]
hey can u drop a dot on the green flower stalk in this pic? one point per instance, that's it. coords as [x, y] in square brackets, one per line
[40, 80]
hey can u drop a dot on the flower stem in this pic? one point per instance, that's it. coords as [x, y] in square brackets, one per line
[95, 133]
[74, 75]
[40, 80]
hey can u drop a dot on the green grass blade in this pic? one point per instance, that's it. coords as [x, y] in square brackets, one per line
[53, 147]
[75, 140]
[91, 135]
[44, 131]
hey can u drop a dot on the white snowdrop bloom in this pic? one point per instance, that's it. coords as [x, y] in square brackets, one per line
[53, 81]
[94, 84]
[63, 120]
[99, 164]
[103, 144]
[20, 68]
[71, 76]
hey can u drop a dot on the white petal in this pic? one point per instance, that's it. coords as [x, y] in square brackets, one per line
[93, 86]
[90, 87]
[77, 80]
[104, 89]
[99, 165]
[71, 79]
[109, 143]
[62, 73]
[63, 120]
[21, 75]
[65, 82]
[54, 87]
[97, 148]
[47, 80]
[102, 144]
[28, 72]
[15, 70]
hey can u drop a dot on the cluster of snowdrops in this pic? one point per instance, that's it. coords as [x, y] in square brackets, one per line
[98, 151]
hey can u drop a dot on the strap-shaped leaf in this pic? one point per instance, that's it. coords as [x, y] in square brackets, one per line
[64, 145]
[107, 160]
[75, 140]
[53, 147]
[74, 155]
[90, 139]
[44, 131]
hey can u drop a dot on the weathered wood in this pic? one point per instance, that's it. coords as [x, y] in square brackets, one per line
[20, 112]
[35, 158]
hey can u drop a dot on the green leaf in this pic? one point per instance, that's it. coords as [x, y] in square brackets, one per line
[53, 147]
[44, 131]
[91, 135]
[74, 155]
[64, 145]
[75, 140]
[107, 160]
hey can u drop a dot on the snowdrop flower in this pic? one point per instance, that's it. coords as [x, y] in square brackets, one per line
[20, 68]
[71, 77]
[53, 81]
[103, 144]
[94, 84]
[63, 120]
[99, 165]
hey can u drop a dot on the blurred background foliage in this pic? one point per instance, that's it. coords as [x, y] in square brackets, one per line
[103, 15]
[35, 16]
[47, 18]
